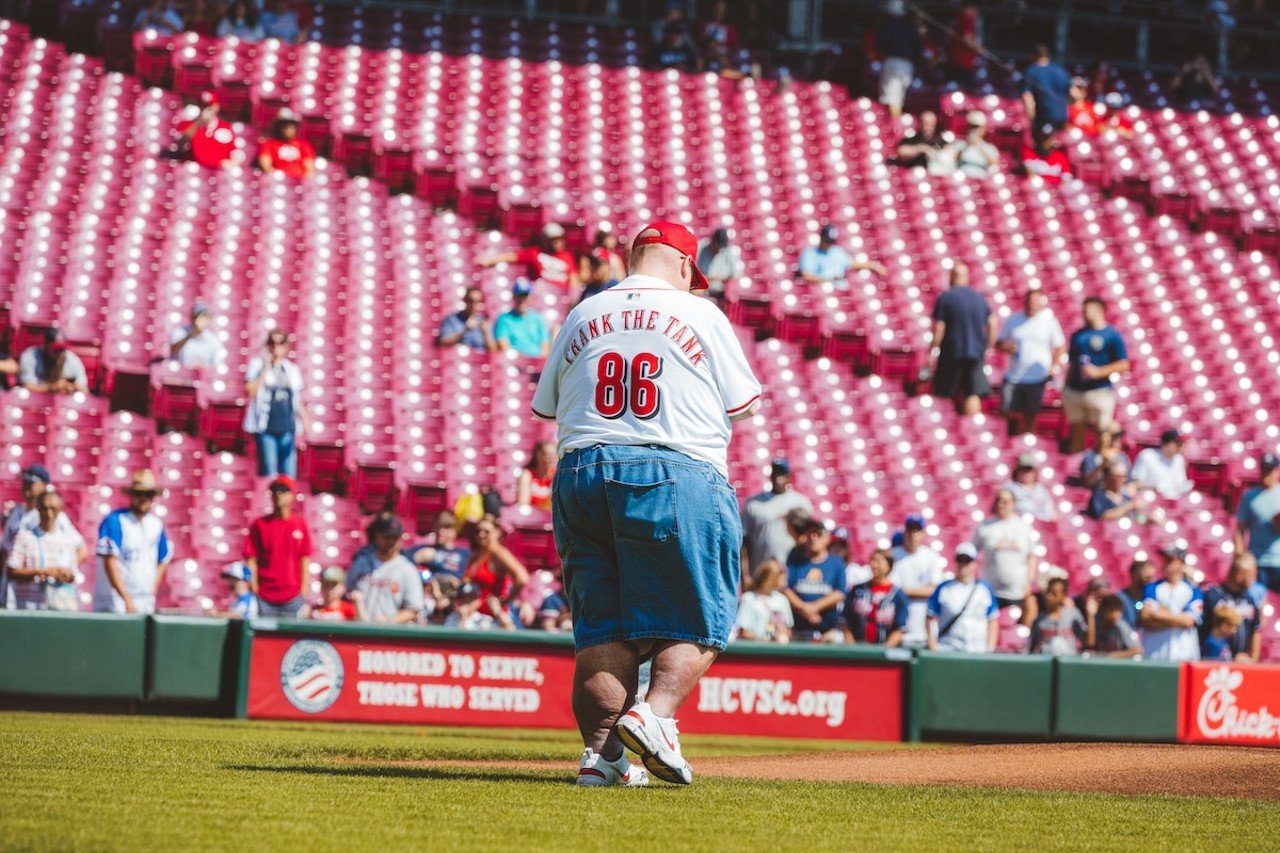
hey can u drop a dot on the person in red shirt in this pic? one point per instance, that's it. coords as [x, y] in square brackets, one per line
[493, 570]
[1081, 112]
[547, 260]
[207, 139]
[605, 247]
[962, 45]
[284, 151]
[533, 488]
[1046, 158]
[333, 607]
[278, 552]
[1115, 116]
[717, 31]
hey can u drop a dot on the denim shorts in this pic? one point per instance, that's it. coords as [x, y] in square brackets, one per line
[650, 540]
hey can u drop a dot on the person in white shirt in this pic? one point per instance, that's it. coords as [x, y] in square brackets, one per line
[1172, 610]
[45, 558]
[764, 613]
[917, 571]
[196, 344]
[1006, 544]
[133, 552]
[973, 156]
[276, 416]
[963, 614]
[1031, 497]
[767, 535]
[1036, 346]
[25, 516]
[1164, 469]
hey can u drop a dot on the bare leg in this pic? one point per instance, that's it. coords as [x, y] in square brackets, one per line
[676, 669]
[604, 685]
[1075, 442]
[972, 406]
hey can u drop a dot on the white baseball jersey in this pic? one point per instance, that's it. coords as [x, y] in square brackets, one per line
[646, 363]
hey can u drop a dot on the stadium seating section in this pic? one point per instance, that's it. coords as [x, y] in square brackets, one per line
[1175, 227]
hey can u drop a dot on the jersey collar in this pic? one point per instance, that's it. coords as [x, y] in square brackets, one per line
[638, 281]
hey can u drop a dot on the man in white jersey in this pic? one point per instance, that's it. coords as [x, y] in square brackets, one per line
[133, 552]
[645, 380]
[1172, 610]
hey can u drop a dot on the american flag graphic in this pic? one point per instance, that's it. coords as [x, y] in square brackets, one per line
[312, 682]
[311, 674]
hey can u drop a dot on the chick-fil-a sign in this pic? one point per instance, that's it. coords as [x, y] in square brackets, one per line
[1230, 704]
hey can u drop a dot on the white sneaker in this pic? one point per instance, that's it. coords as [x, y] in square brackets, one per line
[657, 741]
[594, 771]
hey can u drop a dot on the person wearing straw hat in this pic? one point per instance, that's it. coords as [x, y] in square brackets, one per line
[133, 552]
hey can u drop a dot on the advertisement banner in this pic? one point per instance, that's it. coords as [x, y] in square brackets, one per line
[1230, 703]
[434, 682]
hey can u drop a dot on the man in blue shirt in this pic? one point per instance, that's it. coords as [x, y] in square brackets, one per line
[1258, 522]
[815, 585]
[1096, 353]
[1046, 90]
[829, 262]
[521, 329]
[1246, 642]
[469, 327]
[964, 330]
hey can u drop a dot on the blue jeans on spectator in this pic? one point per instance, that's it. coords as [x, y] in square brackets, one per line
[276, 454]
[287, 610]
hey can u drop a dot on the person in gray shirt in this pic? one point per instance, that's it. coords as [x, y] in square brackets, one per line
[52, 368]
[765, 531]
[393, 590]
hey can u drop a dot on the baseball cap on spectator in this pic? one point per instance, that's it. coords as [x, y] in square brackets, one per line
[199, 309]
[678, 237]
[283, 483]
[780, 465]
[35, 473]
[1114, 100]
[895, 541]
[975, 118]
[287, 116]
[1079, 82]
[841, 533]
[1100, 584]
[1026, 460]
[54, 340]
[1268, 462]
[915, 521]
[385, 525]
[1176, 552]
[553, 230]
[333, 575]
[522, 287]
[965, 551]
[829, 233]
[1171, 435]
[209, 98]
[238, 571]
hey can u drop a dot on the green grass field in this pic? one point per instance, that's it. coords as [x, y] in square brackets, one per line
[149, 783]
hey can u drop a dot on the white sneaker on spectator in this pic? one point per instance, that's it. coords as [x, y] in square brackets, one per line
[657, 741]
[595, 771]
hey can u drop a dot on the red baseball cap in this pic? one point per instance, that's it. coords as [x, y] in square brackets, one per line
[678, 237]
[209, 98]
[283, 482]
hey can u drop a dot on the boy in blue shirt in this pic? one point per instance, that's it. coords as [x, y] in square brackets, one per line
[815, 585]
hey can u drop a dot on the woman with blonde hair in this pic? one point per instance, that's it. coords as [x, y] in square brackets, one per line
[764, 612]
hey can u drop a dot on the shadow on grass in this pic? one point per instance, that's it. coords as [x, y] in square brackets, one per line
[447, 774]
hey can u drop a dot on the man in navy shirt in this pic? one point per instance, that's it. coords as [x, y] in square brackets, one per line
[964, 330]
[1096, 354]
[1246, 642]
[815, 585]
[1046, 90]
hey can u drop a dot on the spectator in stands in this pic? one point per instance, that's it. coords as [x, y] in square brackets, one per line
[673, 19]
[1096, 355]
[922, 145]
[674, 50]
[963, 45]
[1164, 469]
[533, 486]
[716, 30]
[1060, 628]
[46, 557]
[8, 369]
[1142, 573]
[444, 555]
[827, 262]
[1115, 117]
[1031, 497]
[815, 586]
[465, 613]
[243, 603]
[917, 570]
[1108, 449]
[335, 604]
[547, 260]
[877, 610]
[276, 416]
[1045, 87]
[278, 552]
[1258, 521]
[765, 534]
[605, 247]
[1172, 610]
[973, 156]
[278, 21]
[1244, 640]
[207, 139]
[365, 559]
[1195, 84]
[1045, 158]
[159, 16]
[52, 368]
[720, 261]
[764, 612]
[1115, 636]
[1115, 498]
[521, 328]
[1006, 544]
[1081, 113]
[286, 152]
[1036, 346]
[898, 43]
[469, 327]
[1090, 600]
[964, 329]
[495, 572]
[133, 552]
[203, 17]
[196, 344]
[241, 21]
[598, 276]
[392, 592]
[963, 613]
[24, 515]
